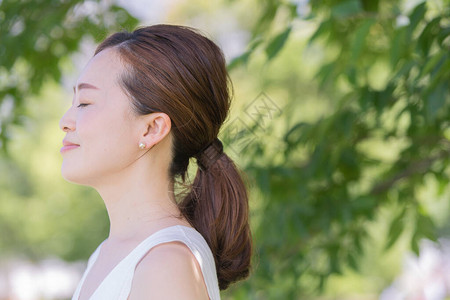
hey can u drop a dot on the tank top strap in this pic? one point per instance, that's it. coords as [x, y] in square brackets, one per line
[193, 240]
[90, 262]
[117, 284]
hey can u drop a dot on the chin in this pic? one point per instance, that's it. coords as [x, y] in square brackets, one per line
[73, 174]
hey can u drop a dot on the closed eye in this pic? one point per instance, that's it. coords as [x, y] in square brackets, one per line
[83, 104]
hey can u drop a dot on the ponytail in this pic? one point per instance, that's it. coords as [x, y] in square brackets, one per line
[217, 207]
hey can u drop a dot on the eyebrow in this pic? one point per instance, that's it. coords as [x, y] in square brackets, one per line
[84, 85]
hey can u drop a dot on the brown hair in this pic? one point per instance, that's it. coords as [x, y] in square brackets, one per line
[175, 70]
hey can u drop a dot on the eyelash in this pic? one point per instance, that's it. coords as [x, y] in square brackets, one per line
[83, 105]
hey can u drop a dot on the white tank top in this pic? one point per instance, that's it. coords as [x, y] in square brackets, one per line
[117, 284]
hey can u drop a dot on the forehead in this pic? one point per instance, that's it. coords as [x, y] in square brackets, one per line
[102, 70]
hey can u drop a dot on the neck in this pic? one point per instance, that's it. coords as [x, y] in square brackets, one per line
[139, 205]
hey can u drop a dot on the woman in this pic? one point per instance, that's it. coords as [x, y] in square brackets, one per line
[146, 103]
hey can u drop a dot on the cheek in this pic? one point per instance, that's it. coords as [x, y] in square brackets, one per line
[107, 147]
[105, 135]
[91, 130]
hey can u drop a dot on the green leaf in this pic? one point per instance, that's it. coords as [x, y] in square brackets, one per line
[415, 243]
[370, 5]
[395, 229]
[360, 39]
[425, 227]
[436, 100]
[432, 62]
[326, 73]
[417, 15]
[428, 35]
[294, 134]
[323, 29]
[404, 70]
[244, 57]
[266, 19]
[352, 262]
[277, 43]
[346, 9]
[399, 47]
[238, 61]
[443, 38]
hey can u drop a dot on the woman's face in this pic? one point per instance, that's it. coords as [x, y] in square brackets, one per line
[101, 129]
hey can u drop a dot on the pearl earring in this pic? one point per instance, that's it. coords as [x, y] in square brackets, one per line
[141, 146]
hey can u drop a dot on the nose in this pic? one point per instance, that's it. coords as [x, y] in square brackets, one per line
[67, 122]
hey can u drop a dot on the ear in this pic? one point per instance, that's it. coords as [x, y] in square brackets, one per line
[157, 127]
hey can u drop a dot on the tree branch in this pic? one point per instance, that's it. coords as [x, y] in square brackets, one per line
[415, 168]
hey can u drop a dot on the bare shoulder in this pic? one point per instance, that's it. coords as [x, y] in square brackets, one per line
[168, 271]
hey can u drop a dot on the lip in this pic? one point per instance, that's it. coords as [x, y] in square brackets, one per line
[68, 146]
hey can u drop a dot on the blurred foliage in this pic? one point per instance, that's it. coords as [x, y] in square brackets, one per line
[375, 134]
[387, 80]
[36, 36]
[37, 40]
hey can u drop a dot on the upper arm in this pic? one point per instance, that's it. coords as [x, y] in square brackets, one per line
[168, 271]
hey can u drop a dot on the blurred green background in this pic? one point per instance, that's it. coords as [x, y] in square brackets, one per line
[340, 120]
